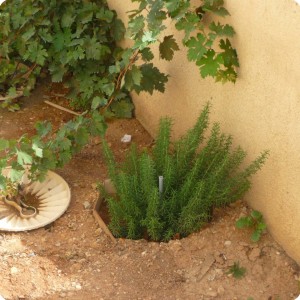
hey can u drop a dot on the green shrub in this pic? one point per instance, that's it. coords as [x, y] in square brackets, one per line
[195, 181]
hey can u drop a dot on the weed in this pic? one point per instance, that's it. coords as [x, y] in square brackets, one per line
[256, 222]
[237, 271]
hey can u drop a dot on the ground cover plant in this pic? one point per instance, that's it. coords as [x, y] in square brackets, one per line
[76, 43]
[194, 182]
[254, 221]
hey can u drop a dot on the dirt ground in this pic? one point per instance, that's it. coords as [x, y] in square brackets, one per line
[74, 259]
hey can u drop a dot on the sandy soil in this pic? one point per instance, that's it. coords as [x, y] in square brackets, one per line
[74, 259]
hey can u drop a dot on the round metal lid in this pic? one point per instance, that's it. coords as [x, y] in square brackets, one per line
[53, 196]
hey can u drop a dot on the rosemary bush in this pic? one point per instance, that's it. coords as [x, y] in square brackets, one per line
[196, 179]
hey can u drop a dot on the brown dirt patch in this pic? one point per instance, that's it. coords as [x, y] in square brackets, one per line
[74, 259]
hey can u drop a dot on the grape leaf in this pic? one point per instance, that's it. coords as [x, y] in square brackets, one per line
[57, 72]
[118, 30]
[94, 50]
[2, 182]
[229, 55]
[37, 150]
[172, 5]
[196, 47]
[68, 19]
[65, 144]
[36, 53]
[45, 35]
[122, 109]
[209, 63]
[98, 102]
[215, 6]
[222, 30]
[147, 54]
[16, 175]
[3, 144]
[82, 136]
[133, 77]
[30, 31]
[23, 158]
[168, 47]
[229, 74]
[43, 128]
[64, 157]
[105, 15]
[189, 23]
[152, 79]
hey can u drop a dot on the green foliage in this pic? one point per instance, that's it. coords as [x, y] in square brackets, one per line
[237, 271]
[48, 149]
[255, 221]
[75, 42]
[195, 181]
[203, 38]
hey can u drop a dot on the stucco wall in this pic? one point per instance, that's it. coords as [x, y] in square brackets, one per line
[262, 110]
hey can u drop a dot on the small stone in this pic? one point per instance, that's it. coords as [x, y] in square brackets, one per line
[98, 231]
[86, 205]
[227, 243]
[62, 295]
[94, 185]
[78, 286]
[211, 294]
[254, 254]
[14, 270]
[57, 244]
[221, 290]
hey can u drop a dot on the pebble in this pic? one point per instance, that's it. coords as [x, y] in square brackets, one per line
[211, 294]
[254, 254]
[86, 205]
[14, 270]
[227, 243]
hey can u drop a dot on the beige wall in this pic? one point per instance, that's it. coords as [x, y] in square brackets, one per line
[262, 110]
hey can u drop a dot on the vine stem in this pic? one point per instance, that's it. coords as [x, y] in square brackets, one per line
[120, 77]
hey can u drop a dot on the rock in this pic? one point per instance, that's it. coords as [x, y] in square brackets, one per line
[78, 286]
[94, 186]
[14, 270]
[86, 205]
[211, 294]
[98, 231]
[254, 254]
[227, 243]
